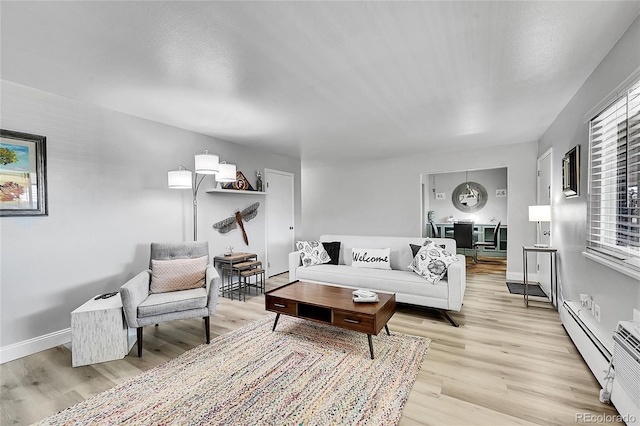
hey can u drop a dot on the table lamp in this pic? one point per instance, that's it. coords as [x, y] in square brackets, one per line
[540, 214]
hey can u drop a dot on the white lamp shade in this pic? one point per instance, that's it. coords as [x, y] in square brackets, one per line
[227, 173]
[539, 213]
[179, 179]
[207, 164]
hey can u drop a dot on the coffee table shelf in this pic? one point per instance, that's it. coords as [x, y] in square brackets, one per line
[331, 305]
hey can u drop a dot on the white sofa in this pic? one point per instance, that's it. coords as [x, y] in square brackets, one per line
[409, 287]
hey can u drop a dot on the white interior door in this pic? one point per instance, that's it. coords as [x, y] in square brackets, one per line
[544, 198]
[280, 219]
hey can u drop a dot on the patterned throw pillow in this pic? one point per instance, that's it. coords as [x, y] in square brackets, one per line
[431, 262]
[312, 253]
[371, 258]
[177, 274]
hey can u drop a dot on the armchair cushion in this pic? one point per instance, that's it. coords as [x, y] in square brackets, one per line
[177, 274]
[172, 302]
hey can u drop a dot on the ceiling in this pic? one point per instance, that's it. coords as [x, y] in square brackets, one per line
[321, 81]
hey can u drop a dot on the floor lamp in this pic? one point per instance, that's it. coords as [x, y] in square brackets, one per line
[540, 214]
[205, 164]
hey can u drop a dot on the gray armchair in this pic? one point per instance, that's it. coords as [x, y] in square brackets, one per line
[143, 307]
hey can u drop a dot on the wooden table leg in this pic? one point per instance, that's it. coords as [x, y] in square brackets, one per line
[386, 327]
[275, 322]
[370, 345]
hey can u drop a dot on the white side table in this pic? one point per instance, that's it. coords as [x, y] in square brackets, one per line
[99, 332]
[554, 271]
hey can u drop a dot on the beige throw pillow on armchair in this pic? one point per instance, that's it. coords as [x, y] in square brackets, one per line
[177, 274]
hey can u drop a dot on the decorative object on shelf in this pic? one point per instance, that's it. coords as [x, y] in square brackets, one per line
[232, 222]
[240, 183]
[228, 251]
[469, 196]
[183, 178]
[540, 214]
[23, 174]
[571, 173]
[259, 181]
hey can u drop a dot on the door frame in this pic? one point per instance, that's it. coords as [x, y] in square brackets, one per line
[548, 153]
[293, 215]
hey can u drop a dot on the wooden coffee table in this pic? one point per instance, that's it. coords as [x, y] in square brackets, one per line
[331, 305]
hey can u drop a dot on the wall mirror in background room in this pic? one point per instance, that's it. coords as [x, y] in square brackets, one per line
[478, 196]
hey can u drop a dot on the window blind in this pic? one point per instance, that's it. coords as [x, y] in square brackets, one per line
[614, 181]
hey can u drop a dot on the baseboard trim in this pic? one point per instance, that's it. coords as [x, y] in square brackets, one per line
[32, 346]
[518, 276]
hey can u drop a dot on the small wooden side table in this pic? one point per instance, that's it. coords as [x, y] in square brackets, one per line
[227, 264]
[554, 271]
[99, 332]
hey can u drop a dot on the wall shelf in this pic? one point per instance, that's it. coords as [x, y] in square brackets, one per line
[235, 191]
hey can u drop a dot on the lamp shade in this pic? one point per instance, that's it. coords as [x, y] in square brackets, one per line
[227, 173]
[207, 164]
[539, 213]
[179, 179]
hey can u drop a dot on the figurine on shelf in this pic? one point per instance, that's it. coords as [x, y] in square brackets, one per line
[259, 182]
[229, 251]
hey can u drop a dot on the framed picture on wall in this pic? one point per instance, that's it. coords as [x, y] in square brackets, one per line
[23, 174]
[571, 173]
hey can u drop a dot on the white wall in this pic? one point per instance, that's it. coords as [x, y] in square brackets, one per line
[492, 179]
[615, 292]
[383, 197]
[108, 200]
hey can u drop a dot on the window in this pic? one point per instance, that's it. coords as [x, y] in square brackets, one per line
[614, 180]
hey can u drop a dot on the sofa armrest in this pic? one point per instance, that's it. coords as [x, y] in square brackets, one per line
[134, 292]
[457, 280]
[294, 264]
[212, 280]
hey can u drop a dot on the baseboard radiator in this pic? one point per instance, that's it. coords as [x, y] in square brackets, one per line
[598, 357]
[625, 393]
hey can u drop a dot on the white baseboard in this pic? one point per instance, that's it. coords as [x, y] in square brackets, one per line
[517, 277]
[37, 344]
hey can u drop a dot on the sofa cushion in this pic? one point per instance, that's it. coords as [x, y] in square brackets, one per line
[395, 281]
[333, 250]
[371, 258]
[431, 262]
[312, 253]
[171, 302]
[177, 274]
[416, 248]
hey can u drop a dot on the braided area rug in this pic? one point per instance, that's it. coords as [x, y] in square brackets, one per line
[304, 373]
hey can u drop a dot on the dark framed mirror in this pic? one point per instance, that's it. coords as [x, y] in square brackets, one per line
[571, 173]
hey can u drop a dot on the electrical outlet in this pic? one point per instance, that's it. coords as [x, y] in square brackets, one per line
[596, 312]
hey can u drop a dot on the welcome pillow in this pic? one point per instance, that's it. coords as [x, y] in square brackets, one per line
[371, 258]
[431, 262]
[312, 253]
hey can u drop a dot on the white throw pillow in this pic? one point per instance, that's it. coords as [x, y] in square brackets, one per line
[312, 253]
[431, 262]
[371, 258]
[177, 274]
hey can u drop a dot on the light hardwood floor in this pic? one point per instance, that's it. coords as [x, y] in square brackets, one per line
[505, 365]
